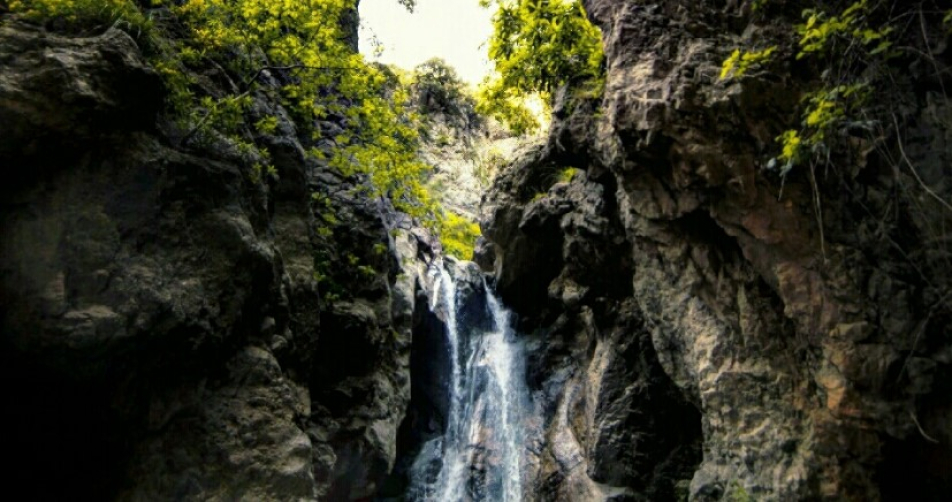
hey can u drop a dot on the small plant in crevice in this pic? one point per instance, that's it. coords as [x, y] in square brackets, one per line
[568, 174]
[842, 111]
[563, 175]
[853, 47]
[737, 493]
[740, 62]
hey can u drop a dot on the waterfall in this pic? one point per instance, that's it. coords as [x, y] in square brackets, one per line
[480, 454]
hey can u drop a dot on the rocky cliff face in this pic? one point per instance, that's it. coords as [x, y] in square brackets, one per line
[164, 333]
[690, 331]
[696, 333]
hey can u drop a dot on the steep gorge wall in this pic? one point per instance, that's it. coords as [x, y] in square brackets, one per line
[164, 334]
[693, 334]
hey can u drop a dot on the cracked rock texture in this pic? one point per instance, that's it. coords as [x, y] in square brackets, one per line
[692, 330]
[697, 334]
[163, 330]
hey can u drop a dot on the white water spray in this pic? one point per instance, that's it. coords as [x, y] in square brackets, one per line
[480, 455]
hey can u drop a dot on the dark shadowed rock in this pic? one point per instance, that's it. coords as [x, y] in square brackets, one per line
[164, 331]
[679, 305]
[70, 91]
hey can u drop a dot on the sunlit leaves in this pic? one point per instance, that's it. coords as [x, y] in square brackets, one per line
[324, 79]
[740, 62]
[295, 51]
[821, 30]
[507, 105]
[852, 48]
[82, 14]
[458, 235]
[537, 46]
[826, 112]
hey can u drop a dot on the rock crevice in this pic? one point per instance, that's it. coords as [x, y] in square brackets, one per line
[801, 353]
[167, 332]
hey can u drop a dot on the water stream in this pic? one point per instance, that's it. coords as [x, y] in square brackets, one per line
[480, 454]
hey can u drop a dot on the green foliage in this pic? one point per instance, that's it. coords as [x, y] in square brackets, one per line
[508, 106]
[847, 45]
[488, 165]
[792, 151]
[737, 493]
[850, 46]
[740, 62]
[568, 174]
[436, 88]
[266, 125]
[302, 42]
[81, 15]
[821, 30]
[827, 111]
[537, 46]
[302, 39]
[458, 235]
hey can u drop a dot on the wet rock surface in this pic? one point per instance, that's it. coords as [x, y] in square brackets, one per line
[431, 368]
[697, 335]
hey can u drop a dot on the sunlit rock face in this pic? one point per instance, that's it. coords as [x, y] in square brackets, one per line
[466, 152]
[691, 331]
[163, 331]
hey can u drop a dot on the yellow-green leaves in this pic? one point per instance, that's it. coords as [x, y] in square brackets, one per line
[458, 235]
[83, 14]
[820, 30]
[851, 48]
[740, 62]
[267, 125]
[826, 112]
[568, 174]
[536, 47]
[729, 64]
[791, 144]
[304, 40]
[508, 106]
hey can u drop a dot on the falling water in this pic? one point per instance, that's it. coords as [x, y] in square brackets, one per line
[479, 456]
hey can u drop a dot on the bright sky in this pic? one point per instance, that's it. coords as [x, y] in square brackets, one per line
[454, 30]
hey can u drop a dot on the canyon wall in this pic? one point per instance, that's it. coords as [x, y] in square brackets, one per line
[164, 330]
[178, 326]
[704, 327]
